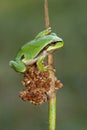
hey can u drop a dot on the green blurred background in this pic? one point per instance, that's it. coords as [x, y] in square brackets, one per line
[20, 21]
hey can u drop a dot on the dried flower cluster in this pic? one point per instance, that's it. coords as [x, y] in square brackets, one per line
[37, 84]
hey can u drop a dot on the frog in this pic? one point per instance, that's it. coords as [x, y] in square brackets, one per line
[36, 50]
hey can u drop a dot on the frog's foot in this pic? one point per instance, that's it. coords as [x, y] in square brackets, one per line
[44, 33]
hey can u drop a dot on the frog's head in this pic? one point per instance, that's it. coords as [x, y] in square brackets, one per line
[57, 42]
[18, 66]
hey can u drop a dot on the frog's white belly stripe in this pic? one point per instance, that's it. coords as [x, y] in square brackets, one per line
[35, 59]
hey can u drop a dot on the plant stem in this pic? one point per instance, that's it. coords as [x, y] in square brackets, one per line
[52, 113]
[52, 93]
[47, 23]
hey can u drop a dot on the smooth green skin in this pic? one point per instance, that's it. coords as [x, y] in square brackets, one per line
[36, 50]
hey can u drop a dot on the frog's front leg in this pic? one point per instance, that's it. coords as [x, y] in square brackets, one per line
[44, 33]
[40, 65]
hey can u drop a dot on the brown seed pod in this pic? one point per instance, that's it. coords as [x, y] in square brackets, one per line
[37, 84]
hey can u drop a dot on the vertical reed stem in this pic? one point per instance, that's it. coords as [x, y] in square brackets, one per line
[52, 93]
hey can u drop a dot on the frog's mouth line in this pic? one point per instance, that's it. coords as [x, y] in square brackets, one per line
[43, 51]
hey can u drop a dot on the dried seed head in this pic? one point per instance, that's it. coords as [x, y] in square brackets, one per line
[58, 84]
[37, 85]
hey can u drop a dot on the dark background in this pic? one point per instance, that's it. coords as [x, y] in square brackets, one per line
[20, 21]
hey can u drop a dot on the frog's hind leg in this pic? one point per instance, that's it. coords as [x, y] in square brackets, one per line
[44, 33]
[40, 65]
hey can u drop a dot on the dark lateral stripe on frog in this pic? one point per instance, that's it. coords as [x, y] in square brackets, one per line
[45, 48]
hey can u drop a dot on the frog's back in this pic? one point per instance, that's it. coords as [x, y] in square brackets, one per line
[34, 47]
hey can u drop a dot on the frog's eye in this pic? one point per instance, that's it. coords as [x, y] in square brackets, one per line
[22, 57]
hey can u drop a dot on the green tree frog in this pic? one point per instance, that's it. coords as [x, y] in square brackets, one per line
[36, 50]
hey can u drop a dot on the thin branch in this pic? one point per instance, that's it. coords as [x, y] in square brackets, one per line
[52, 93]
[47, 23]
